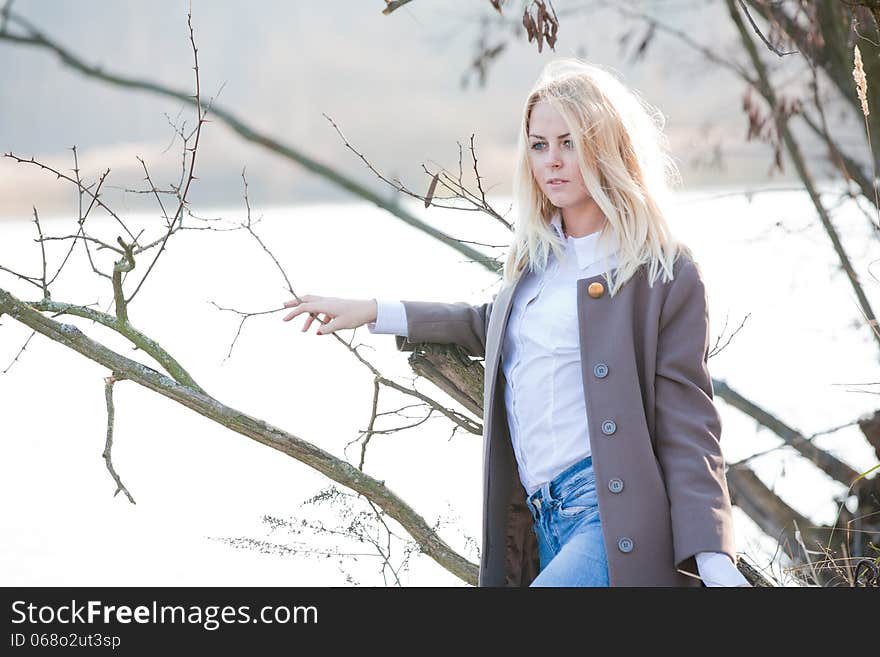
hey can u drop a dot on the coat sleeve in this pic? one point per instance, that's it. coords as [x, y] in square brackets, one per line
[688, 425]
[446, 323]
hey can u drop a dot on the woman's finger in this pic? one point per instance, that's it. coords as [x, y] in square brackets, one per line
[299, 309]
[313, 317]
[291, 303]
[306, 304]
[322, 329]
[296, 311]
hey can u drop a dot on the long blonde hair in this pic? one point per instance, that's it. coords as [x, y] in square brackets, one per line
[622, 153]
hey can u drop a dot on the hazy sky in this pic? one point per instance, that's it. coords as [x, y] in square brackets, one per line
[392, 84]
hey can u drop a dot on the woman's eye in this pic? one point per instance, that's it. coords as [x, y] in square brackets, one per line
[568, 142]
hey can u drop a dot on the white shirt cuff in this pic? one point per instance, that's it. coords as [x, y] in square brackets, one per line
[390, 318]
[717, 569]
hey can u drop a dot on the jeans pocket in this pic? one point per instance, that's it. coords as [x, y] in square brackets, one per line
[579, 499]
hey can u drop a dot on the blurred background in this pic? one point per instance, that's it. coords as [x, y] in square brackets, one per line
[401, 87]
[405, 89]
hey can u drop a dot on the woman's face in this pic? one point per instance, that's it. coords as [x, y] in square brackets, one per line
[553, 158]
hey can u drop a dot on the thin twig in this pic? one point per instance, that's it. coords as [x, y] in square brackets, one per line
[108, 445]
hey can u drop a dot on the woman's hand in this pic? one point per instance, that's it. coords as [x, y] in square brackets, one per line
[338, 313]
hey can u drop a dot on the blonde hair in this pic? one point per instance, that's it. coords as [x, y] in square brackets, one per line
[622, 153]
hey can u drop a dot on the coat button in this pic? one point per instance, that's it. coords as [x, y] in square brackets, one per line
[615, 485]
[596, 290]
[601, 370]
[625, 544]
[609, 427]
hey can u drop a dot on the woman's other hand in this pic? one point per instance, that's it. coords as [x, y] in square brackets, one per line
[337, 313]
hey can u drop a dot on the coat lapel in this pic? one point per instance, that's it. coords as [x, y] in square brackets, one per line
[494, 334]
[498, 326]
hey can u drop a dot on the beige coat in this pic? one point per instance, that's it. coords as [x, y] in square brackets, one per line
[643, 355]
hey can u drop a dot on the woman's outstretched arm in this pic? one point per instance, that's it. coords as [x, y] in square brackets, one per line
[446, 323]
[413, 322]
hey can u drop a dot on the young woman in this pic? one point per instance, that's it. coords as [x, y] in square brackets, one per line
[602, 463]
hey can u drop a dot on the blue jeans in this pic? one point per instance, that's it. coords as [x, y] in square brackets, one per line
[570, 544]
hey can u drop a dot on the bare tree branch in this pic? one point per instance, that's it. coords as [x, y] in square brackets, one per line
[35, 38]
[794, 152]
[829, 464]
[108, 446]
[244, 424]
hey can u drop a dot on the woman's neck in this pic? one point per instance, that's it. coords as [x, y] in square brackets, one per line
[582, 220]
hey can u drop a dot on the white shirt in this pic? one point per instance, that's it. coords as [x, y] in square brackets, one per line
[540, 359]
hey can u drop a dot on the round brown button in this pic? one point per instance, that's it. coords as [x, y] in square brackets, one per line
[596, 290]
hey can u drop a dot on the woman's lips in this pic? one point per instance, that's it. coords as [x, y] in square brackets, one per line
[556, 185]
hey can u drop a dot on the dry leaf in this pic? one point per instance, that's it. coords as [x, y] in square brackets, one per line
[430, 195]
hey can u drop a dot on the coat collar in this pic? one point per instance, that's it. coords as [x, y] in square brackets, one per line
[586, 248]
[587, 252]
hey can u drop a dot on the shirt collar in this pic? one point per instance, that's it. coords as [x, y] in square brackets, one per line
[586, 248]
